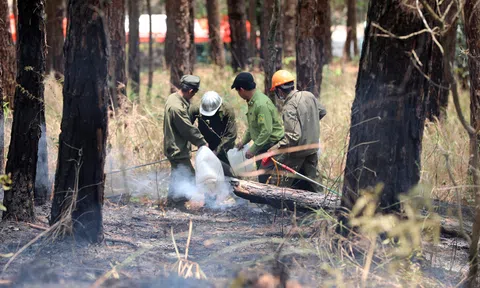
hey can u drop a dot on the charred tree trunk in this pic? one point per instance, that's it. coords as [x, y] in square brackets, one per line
[150, 51]
[269, 7]
[29, 110]
[216, 42]
[7, 54]
[388, 113]
[79, 179]
[134, 47]
[289, 21]
[116, 70]
[252, 41]
[238, 34]
[55, 13]
[472, 33]
[169, 47]
[313, 33]
[351, 31]
[42, 180]
[180, 63]
[191, 33]
[438, 91]
[273, 61]
[281, 197]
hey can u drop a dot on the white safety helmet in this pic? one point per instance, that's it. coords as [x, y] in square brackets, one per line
[211, 102]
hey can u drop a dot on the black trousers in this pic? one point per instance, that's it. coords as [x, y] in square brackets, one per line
[263, 178]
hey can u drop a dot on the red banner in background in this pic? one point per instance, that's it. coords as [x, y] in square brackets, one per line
[159, 28]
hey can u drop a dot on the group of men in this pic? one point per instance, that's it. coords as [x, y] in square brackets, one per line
[297, 136]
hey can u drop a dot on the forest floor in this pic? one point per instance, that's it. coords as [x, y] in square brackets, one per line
[245, 239]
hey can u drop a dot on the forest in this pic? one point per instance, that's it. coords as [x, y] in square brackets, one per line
[348, 153]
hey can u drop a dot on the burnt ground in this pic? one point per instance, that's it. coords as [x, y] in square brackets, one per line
[246, 238]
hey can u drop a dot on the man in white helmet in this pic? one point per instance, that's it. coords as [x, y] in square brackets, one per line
[216, 122]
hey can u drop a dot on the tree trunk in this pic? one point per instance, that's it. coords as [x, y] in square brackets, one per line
[289, 22]
[79, 179]
[472, 33]
[281, 197]
[325, 13]
[116, 70]
[169, 47]
[42, 180]
[273, 61]
[438, 90]
[134, 47]
[313, 32]
[29, 110]
[351, 31]
[55, 14]
[252, 41]
[269, 8]
[238, 34]
[150, 51]
[388, 112]
[180, 63]
[191, 33]
[7, 54]
[216, 42]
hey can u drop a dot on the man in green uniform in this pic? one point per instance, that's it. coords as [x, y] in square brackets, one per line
[264, 124]
[179, 133]
[301, 114]
[216, 122]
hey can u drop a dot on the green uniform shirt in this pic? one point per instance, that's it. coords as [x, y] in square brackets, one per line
[178, 130]
[264, 124]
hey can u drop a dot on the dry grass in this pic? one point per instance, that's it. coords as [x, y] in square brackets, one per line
[136, 131]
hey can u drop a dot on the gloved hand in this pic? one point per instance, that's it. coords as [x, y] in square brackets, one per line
[249, 154]
[239, 146]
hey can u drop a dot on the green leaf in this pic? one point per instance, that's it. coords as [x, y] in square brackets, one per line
[2, 208]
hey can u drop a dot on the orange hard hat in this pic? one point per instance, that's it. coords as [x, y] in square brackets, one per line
[281, 77]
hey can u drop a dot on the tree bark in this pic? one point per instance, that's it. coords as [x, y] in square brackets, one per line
[273, 61]
[269, 7]
[281, 197]
[170, 34]
[438, 91]
[216, 42]
[79, 179]
[289, 22]
[180, 63]
[150, 51]
[238, 34]
[7, 54]
[116, 70]
[191, 33]
[351, 31]
[134, 47]
[388, 113]
[313, 33]
[42, 180]
[252, 41]
[55, 13]
[472, 33]
[29, 110]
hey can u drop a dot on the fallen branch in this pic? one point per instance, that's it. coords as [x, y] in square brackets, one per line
[276, 196]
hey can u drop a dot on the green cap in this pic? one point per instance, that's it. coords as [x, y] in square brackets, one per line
[191, 81]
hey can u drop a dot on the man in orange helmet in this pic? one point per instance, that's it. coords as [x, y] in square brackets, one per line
[301, 114]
